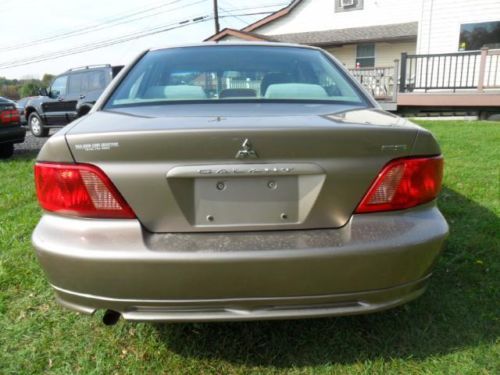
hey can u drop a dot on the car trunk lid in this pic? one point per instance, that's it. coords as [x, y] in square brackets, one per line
[234, 170]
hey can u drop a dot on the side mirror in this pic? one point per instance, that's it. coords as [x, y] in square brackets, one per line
[43, 92]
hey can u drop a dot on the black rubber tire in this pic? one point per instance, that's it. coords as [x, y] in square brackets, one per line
[6, 150]
[40, 130]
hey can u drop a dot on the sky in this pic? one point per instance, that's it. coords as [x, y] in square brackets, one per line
[40, 29]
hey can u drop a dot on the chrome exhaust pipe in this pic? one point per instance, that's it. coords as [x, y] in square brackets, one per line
[111, 317]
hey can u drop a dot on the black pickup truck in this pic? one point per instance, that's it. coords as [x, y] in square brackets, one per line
[71, 95]
[10, 128]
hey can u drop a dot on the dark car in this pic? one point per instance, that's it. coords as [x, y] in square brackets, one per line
[21, 106]
[11, 131]
[5, 100]
[71, 95]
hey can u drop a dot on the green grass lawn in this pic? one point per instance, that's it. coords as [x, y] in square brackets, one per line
[454, 328]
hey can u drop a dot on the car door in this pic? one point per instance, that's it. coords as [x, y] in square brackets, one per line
[76, 91]
[54, 106]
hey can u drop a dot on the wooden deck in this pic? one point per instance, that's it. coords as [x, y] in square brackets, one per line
[463, 81]
[471, 99]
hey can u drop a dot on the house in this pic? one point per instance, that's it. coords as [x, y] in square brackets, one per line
[367, 33]
[371, 37]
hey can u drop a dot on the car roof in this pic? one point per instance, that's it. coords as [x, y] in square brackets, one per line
[235, 43]
[86, 68]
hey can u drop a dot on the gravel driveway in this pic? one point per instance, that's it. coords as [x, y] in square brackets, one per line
[31, 144]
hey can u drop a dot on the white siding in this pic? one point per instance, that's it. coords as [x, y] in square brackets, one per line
[439, 30]
[345, 54]
[439, 21]
[231, 38]
[385, 53]
[314, 15]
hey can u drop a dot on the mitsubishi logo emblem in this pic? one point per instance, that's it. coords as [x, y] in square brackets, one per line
[246, 151]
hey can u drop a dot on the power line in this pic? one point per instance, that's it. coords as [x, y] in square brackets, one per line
[123, 39]
[229, 14]
[254, 7]
[107, 24]
[89, 27]
[6, 4]
[245, 14]
[104, 43]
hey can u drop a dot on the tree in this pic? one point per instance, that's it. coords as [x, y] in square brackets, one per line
[9, 91]
[30, 88]
[16, 88]
[47, 79]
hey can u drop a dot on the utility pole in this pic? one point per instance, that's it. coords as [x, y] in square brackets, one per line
[216, 17]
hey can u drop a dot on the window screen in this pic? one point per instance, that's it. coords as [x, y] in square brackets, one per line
[365, 55]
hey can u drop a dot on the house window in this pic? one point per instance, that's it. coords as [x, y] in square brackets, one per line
[474, 36]
[348, 5]
[365, 55]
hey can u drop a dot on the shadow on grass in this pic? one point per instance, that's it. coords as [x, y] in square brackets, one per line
[458, 310]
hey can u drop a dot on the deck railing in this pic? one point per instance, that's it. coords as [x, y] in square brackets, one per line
[450, 71]
[242, 84]
[489, 73]
[381, 82]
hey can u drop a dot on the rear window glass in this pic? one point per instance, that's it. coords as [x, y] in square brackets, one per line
[225, 73]
[86, 81]
[96, 80]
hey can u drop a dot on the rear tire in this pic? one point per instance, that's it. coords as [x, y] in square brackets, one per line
[36, 125]
[6, 150]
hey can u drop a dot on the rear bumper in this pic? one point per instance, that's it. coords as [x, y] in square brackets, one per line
[249, 308]
[375, 262]
[14, 134]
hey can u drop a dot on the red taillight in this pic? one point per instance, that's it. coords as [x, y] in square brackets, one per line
[9, 116]
[79, 190]
[404, 183]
